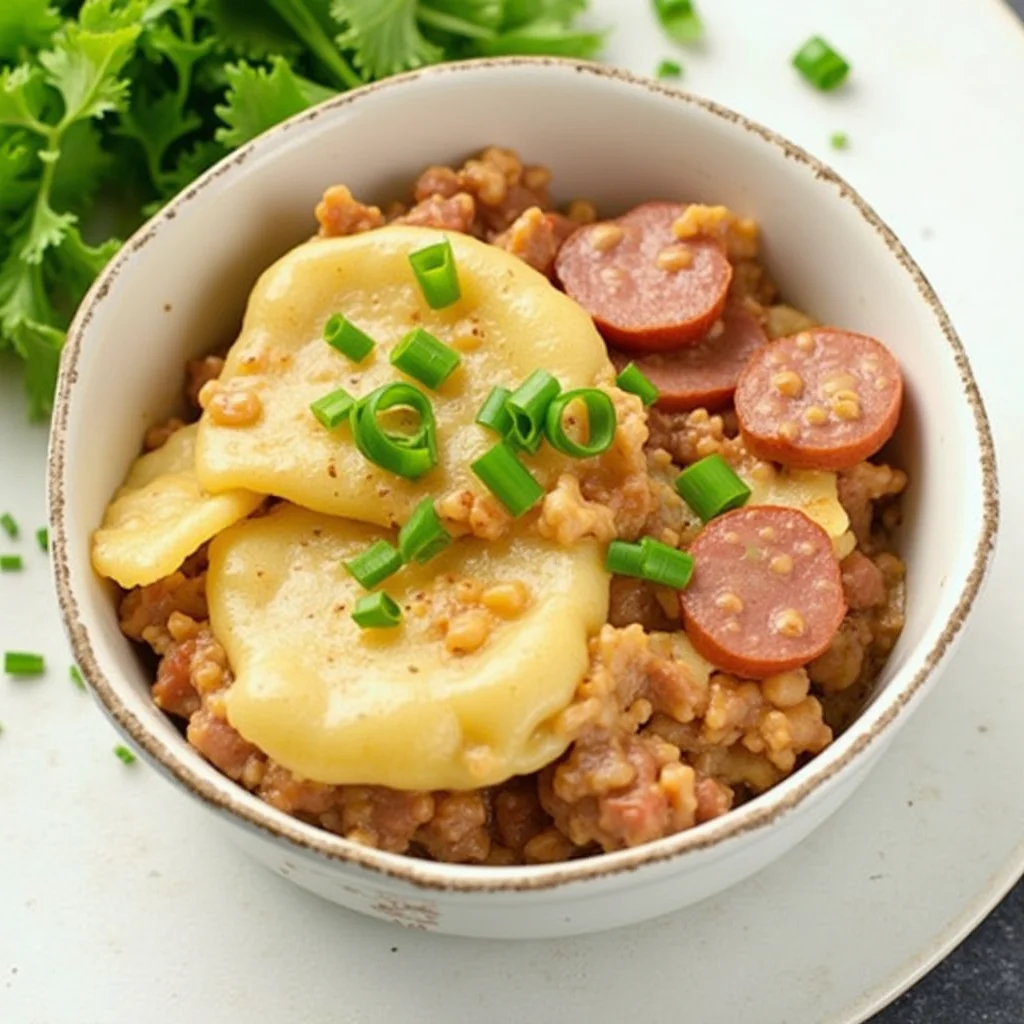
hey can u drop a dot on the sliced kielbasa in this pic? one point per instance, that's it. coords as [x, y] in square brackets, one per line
[702, 376]
[820, 399]
[766, 594]
[646, 290]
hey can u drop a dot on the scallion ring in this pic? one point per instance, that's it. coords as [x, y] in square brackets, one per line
[711, 487]
[820, 64]
[624, 559]
[679, 20]
[494, 413]
[24, 663]
[375, 564]
[376, 611]
[423, 536]
[429, 360]
[333, 408]
[437, 274]
[601, 423]
[665, 565]
[528, 407]
[406, 456]
[633, 380]
[508, 479]
[343, 335]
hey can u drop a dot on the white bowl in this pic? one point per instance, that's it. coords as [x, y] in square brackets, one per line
[178, 287]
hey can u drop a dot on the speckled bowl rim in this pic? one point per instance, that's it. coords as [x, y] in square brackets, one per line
[181, 763]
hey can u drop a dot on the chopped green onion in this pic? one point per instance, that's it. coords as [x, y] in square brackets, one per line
[670, 69]
[23, 663]
[679, 20]
[333, 408]
[493, 413]
[421, 355]
[343, 335]
[710, 487]
[424, 536]
[406, 456]
[436, 273]
[839, 140]
[43, 538]
[10, 563]
[76, 676]
[528, 406]
[632, 379]
[376, 611]
[379, 561]
[820, 64]
[624, 559]
[601, 423]
[124, 755]
[665, 565]
[508, 479]
[9, 525]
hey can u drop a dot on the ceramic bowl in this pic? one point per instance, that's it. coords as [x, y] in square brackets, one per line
[178, 287]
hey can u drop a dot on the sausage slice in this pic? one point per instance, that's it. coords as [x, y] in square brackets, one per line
[820, 399]
[646, 290]
[702, 375]
[766, 594]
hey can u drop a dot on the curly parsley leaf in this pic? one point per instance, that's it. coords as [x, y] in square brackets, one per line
[384, 36]
[25, 25]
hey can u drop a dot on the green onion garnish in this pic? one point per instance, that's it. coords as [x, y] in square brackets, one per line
[669, 69]
[333, 408]
[624, 559]
[424, 536]
[409, 456]
[9, 525]
[839, 140]
[343, 335]
[528, 406]
[601, 423]
[710, 487]
[379, 561]
[665, 565]
[508, 479]
[124, 755]
[43, 538]
[493, 413]
[376, 611]
[10, 563]
[820, 64]
[436, 273]
[421, 355]
[76, 676]
[22, 663]
[632, 379]
[679, 20]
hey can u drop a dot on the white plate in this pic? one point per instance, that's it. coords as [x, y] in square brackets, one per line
[118, 905]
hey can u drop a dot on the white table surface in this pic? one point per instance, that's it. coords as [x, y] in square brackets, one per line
[119, 904]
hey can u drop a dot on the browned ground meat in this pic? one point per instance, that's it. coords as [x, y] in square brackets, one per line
[655, 747]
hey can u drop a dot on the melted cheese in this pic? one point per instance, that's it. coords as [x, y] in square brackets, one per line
[338, 704]
[810, 490]
[509, 322]
[161, 515]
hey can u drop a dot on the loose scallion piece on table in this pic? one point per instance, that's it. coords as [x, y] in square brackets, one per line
[124, 755]
[437, 274]
[624, 559]
[376, 611]
[528, 406]
[423, 536]
[665, 565]
[633, 380]
[343, 335]
[9, 525]
[601, 423]
[374, 565]
[24, 663]
[669, 69]
[711, 487]
[333, 408]
[820, 64]
[839, 140]
[508, 479]
[11, 563]
[43, 538]
[494, 414]
[405, 455]
[75, 675]
[679, 20]
[428, 359]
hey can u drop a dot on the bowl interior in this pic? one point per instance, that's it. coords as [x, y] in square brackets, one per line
[179, 289]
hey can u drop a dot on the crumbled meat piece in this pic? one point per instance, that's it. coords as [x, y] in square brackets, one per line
[150, 607]
[157, 436]
[454, 213]
[458, 830]
[340, 214]
[535, 237]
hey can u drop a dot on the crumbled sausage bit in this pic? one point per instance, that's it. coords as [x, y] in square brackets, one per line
[815, 415]
[787, 689]
[605, 237]
[788, 383]
[505, 599]
[340, 214]
[790, 430]
[805, 342]
[235, 408]
[581, 211]
[729, 602]
[181, 626]
[782, 565]
[674, 258]
[485, 181]
[467, 632]
[536, 178]
[789, 622]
